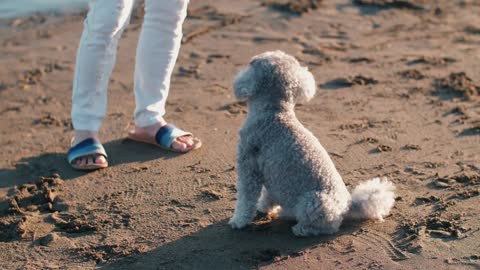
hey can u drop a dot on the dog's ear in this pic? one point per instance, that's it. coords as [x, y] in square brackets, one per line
[244, 84]
[306, 85]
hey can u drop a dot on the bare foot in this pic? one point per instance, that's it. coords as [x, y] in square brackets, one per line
[81, 135]
[184, 143]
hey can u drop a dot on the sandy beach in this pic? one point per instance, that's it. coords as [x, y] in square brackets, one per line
[398, 95]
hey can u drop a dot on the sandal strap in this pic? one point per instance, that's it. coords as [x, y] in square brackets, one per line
[167, 134]
[86, 147]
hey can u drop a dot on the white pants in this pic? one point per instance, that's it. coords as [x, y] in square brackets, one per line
[157, 52]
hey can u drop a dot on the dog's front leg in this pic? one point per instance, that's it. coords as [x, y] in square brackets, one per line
[248, 191]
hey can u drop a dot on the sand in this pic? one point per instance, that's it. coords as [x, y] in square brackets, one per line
[398, 96]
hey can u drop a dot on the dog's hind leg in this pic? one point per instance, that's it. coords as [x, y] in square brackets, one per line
[265, 203]
[317, 213]
[286, 214]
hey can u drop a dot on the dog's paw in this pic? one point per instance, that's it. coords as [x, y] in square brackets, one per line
[237, 222]
[299, 231]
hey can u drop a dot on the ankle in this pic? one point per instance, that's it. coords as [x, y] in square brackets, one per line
[151, 128]
[80, 135]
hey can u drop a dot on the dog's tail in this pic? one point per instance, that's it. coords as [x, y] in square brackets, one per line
[372, 199]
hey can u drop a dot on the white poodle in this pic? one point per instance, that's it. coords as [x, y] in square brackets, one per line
[281, 165]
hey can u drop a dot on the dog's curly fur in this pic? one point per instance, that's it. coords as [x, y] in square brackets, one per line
[281, 165]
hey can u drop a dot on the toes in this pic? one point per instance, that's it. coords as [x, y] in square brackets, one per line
[179, 146]
[188, 140]
[81, 161]
[90, 160]
[100, 159]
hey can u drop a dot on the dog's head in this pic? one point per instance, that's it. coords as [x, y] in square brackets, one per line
[275, 77]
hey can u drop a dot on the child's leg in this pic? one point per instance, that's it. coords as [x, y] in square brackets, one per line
[157, 53]
[105, 22]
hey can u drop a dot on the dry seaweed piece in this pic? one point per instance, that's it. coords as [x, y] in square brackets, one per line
[360, 60]
[357, 80]
[343, 82]
[435, 227]
[72, 223]
[412, 147]
[384, 148]
[412, 74]
[368, 140]
[424, 200]
[362, 80]
[190, 71]
[356, 126]
[211, 195]
[210, 13]
[297, 7]
[32, 76]
[434, 61]
[371, 140]
[239, 107]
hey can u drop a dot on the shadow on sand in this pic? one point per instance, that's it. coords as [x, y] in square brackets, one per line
[119, 151]
[369, 8]
[219, 247]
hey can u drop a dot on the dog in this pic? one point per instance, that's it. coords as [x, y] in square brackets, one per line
[282, 166]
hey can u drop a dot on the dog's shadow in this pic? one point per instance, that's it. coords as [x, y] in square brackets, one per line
[219, 247]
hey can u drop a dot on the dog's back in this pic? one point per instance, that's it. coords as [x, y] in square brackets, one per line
[290, 158]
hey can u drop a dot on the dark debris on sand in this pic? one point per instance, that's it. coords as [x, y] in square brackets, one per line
[412, 74]
[362, 80]
[434, 61]
[436, 227]
[387, 4]
[384, 148]
[297, 7]
[75, 223]
[459, 84]
[349, 82]
[210, 14]
[41, 196]
[412, 147]
[470, 131]
[239, 107]
[109, 252]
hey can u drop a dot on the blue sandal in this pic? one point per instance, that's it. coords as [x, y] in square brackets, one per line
[164, 138]
[88, 147]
